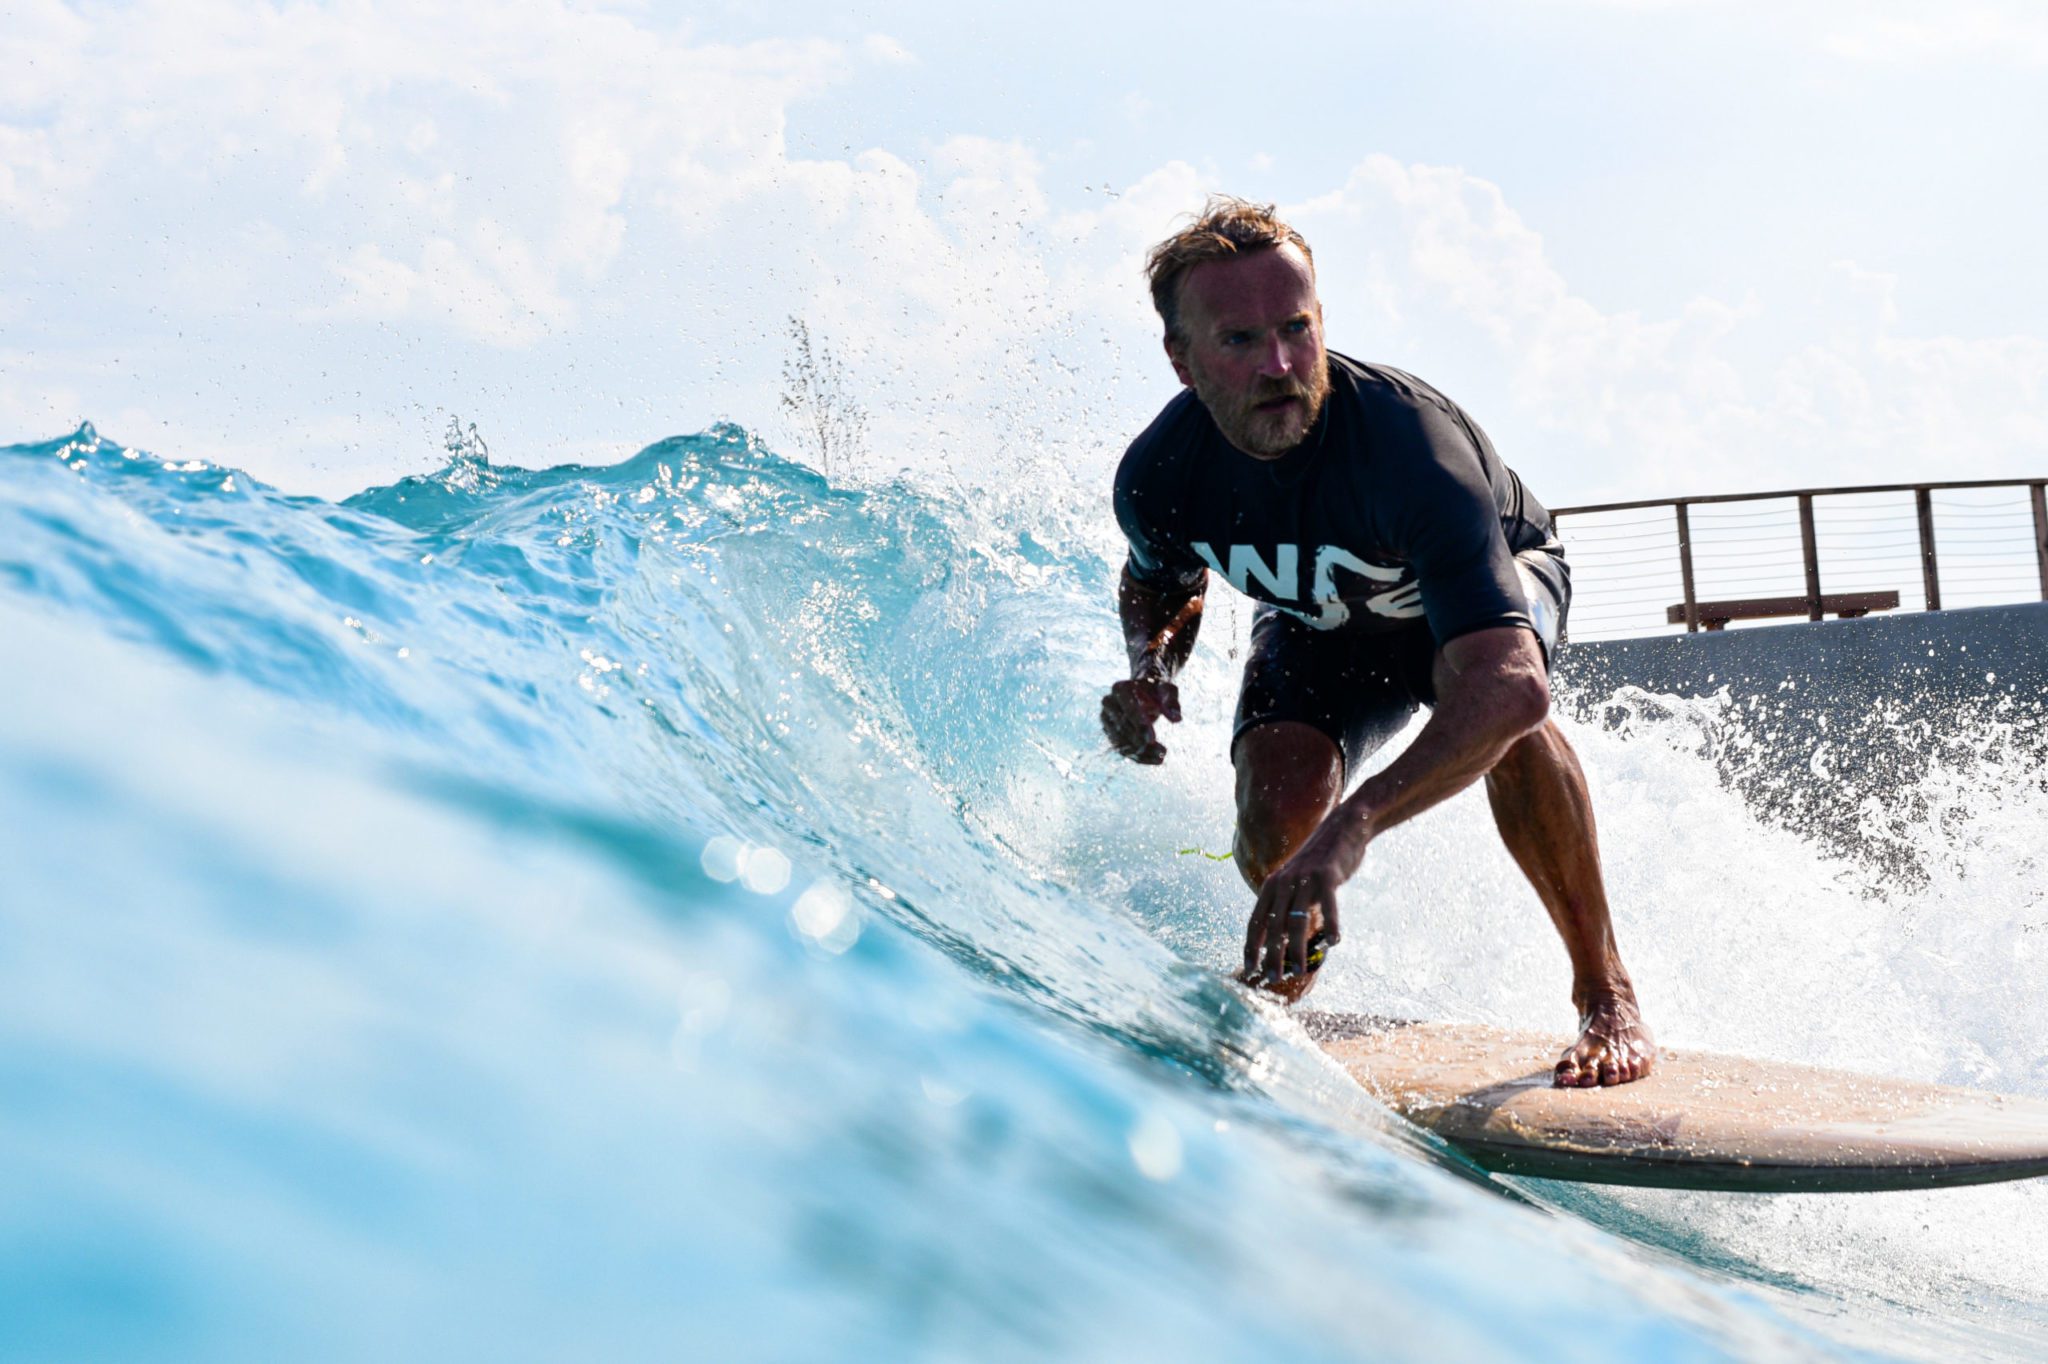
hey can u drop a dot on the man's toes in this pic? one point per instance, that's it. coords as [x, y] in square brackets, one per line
[1596, 1063]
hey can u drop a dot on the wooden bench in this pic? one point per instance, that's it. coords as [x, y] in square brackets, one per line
[1715, 615]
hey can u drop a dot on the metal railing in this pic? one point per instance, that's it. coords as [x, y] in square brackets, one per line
[1661, 564]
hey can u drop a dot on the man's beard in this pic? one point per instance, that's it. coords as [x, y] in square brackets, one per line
[1270, 434]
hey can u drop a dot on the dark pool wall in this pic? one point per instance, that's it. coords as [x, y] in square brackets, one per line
[1835, 724]
[1916, 659]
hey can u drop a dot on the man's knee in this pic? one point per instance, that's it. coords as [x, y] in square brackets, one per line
[1289, 775]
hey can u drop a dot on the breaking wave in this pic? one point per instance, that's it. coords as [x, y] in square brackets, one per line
[683, 906]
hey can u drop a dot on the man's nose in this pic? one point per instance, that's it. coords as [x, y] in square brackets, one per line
[1274, 361]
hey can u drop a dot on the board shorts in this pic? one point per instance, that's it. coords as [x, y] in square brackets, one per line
[1361, 686]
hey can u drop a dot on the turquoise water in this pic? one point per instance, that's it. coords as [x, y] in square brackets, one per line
[680, 909]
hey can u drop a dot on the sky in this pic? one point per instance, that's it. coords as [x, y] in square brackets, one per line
[1655, 247]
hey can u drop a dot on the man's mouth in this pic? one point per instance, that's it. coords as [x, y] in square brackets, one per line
[1277, 404]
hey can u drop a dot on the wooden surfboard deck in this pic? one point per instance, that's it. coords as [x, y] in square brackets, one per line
[1699, 1121]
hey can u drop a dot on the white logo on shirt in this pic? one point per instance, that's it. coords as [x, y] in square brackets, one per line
[1282, 578]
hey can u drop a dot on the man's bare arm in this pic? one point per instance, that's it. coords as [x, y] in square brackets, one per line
[1491, 691]
[1159, 633]
[1159, 627]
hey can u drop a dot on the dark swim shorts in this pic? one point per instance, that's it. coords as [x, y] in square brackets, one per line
[1361, 686]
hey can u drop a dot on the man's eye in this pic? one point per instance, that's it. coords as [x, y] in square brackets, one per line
[1236, 338]
[1298, 325]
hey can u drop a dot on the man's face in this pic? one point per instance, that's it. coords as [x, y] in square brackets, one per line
[1252, 348]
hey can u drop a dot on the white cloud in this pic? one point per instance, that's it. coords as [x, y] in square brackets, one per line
[1645, 5]
[503, 177]
[492, 290]
[1721, 396]
[33, 181]
[1889, 32]
[488, 147]
[2000, 35]
[589, 229]
[880, 47]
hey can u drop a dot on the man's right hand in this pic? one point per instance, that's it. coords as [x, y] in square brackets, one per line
[1131, 710]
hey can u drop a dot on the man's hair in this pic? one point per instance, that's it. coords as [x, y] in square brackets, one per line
[1228, 226]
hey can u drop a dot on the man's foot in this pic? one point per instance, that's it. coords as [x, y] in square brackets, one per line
[1614, 1046]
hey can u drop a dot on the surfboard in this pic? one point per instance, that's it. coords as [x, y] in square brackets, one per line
[1698, 1121]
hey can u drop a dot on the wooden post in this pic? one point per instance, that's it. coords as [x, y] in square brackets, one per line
[1812, 556]
[2036, 495]
[1930, 576]
[1692, 601]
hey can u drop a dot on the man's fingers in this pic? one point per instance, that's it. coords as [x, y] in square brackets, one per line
[1139, 745]
[1276, 936]
[1294, 913]
[1127, 737]
[1298, 921]
[1255, 932]
[1128, 713]
[1128, 732]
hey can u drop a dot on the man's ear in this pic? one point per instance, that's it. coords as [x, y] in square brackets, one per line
[1176, 355]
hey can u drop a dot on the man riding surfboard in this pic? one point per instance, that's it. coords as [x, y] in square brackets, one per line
[1396, 562]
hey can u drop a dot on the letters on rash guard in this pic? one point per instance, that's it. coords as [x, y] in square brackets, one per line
[1393, 511]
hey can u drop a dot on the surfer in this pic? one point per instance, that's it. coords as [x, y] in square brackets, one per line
[1396, 562]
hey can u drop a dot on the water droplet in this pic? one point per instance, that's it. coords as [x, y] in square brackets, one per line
[939, 1092]
[1155, 1147]
[723, 858]
[825, 918]
[765, 871]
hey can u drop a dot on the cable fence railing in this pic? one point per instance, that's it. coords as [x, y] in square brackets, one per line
[1672, 565]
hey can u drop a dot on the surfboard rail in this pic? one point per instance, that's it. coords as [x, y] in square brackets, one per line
[1699, 1121]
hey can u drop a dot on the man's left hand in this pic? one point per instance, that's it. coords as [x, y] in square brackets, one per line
[1299, 901]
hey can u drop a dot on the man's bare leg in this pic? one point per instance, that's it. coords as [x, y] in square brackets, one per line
[1289, 776]
[1545, 816]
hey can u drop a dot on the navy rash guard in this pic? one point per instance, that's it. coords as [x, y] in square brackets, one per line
[1394, 509]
